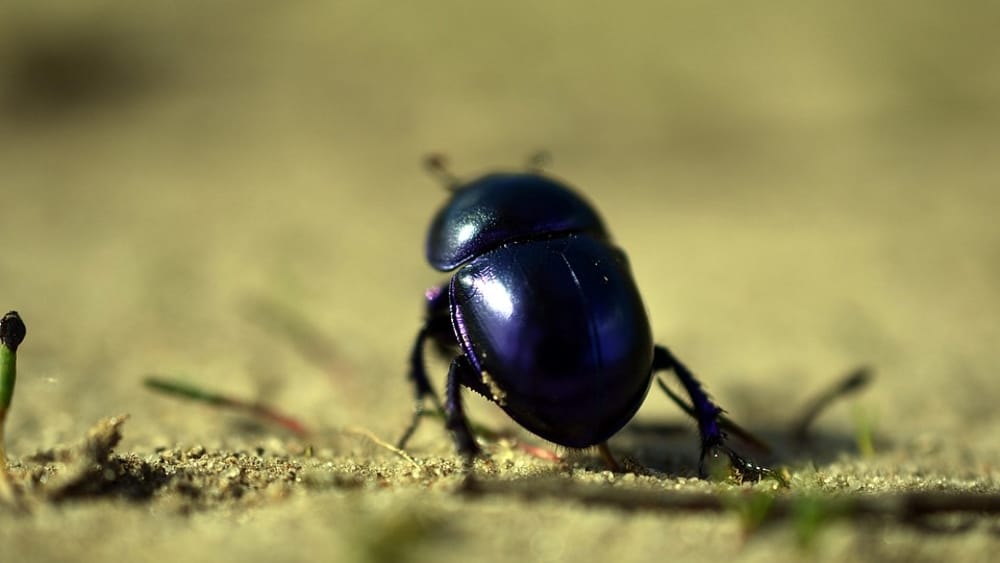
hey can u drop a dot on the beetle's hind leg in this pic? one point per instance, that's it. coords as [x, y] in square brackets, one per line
[709, 417]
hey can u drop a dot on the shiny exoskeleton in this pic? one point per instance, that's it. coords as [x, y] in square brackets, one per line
[544, 319]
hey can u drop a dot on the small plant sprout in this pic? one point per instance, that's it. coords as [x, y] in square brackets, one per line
[864, 431]
[12, 333]
[259, 411]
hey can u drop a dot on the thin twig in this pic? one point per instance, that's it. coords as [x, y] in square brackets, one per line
[382, 443]
[900, 507]
[854, 382]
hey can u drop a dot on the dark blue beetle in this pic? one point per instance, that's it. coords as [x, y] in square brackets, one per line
[543, 318]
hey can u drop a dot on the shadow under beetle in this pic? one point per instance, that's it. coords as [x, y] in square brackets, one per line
[542, 317]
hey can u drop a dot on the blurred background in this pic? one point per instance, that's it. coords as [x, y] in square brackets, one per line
[231, 192]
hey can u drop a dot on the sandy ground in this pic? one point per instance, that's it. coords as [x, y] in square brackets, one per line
[231, 193]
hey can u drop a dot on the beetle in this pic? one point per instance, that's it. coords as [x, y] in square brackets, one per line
[542, 317]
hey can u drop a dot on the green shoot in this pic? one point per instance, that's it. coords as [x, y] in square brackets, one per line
[811, 515]
[259, 411]
[753, 508]
[864, 432]
[12, 333]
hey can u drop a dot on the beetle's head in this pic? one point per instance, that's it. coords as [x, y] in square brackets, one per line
[499, 208]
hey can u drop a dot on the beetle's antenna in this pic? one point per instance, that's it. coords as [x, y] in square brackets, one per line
[539, 160]
[437, 165]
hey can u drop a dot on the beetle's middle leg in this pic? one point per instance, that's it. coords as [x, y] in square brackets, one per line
[708, 415]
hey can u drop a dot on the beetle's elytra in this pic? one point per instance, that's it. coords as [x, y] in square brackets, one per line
[543, 318]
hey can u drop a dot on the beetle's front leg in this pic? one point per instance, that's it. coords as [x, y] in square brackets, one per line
[707, 413]
[437, 328]
[421, 385]
[460, 370]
